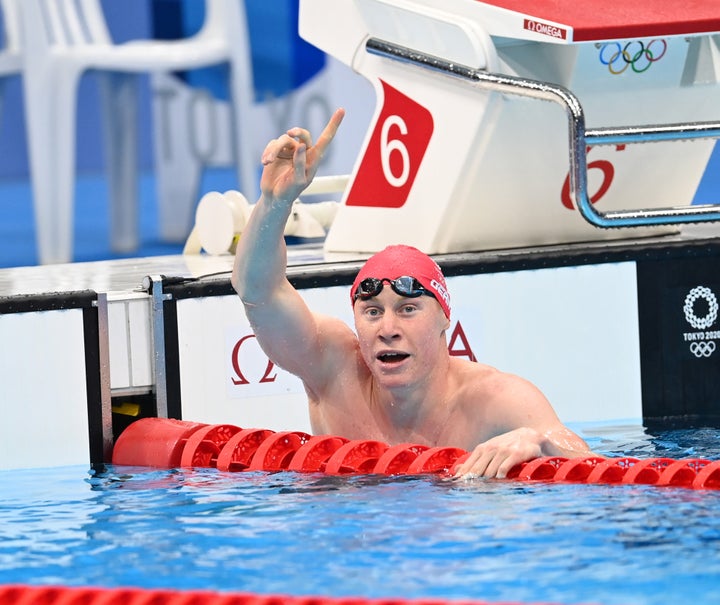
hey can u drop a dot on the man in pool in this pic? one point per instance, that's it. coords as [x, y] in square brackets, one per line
[396, 381]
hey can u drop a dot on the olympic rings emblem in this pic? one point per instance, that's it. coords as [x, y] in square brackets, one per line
[702, 348]
[635, 54]
[700, 323]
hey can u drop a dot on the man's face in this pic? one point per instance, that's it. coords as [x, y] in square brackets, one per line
[401, 338]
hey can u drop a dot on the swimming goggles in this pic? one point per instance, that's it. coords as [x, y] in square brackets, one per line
[404, 285]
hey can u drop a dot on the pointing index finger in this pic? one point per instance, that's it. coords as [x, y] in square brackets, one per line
[327, 135]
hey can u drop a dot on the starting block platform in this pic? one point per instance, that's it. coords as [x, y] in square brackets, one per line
[462, 148]
[595, 21]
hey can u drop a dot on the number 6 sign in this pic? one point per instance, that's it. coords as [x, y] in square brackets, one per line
[393, 155]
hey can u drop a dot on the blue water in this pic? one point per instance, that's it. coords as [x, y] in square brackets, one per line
[369, 536]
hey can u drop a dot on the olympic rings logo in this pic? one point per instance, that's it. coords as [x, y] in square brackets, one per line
[700, 323]
[635, 54]
[702, 348]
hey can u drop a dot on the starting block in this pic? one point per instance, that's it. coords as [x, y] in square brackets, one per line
[462, 154]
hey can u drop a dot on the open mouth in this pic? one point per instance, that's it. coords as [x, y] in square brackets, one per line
[392, 357]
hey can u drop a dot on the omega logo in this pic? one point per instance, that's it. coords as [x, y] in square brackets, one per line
[239, 379]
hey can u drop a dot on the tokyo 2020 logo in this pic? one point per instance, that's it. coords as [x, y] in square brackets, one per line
[702, 342]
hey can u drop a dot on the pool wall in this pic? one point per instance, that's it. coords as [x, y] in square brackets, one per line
[609, 331]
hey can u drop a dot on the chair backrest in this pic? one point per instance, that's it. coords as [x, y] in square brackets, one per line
[223, 17]
[11, 25]
[11, 52]
[82, 22]
[64, 23]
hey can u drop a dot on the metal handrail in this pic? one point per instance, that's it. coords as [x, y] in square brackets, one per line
[580, 138]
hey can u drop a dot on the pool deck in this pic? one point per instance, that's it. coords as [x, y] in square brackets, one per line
[126, 275]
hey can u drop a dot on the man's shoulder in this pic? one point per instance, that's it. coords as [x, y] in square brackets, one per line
[466, 370]
[480, 382]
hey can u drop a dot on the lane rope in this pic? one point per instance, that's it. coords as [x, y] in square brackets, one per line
[64, 595]
[168, 443]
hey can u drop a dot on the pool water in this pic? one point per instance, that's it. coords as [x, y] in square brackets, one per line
[372, 536]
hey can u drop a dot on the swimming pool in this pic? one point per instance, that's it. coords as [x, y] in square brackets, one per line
[371, 536]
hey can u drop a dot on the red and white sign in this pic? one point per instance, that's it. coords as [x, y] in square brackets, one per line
[393, 155]
[546, 29]
[249, 371]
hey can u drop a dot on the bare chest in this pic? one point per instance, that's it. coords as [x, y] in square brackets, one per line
[351, 414]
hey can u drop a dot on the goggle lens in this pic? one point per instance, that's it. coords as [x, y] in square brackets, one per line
[404, 285]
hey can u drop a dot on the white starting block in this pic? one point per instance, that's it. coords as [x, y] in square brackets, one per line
[463, 156]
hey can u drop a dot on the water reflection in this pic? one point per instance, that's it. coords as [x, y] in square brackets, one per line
[370, 536]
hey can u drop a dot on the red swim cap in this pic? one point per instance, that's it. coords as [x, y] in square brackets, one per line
[397, 260]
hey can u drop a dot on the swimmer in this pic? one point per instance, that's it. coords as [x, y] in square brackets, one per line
[395, 381]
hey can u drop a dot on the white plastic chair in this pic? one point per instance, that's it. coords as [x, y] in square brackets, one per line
[65, 38]
[10, 54]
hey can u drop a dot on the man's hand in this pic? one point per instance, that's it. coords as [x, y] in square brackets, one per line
[495, 457]
[291, 161]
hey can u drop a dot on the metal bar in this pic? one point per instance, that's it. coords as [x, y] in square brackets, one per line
[579, 137]
[652, 134]
[153, 284]
[103, 325]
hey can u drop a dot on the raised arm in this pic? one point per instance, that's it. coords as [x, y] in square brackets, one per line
[284, 326]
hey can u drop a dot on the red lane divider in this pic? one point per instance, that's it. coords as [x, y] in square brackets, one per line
[204, 445]
[276, 452]
[163, 443]
[540, 469]
[435, 460]
[355, 457]
[577, 469]
[63, 595]
[708, 477]
[312, 456]
[398, 458]
[682, 473]
[159, 442]
[646, 471]
[238, 452]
